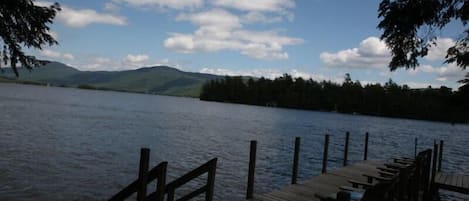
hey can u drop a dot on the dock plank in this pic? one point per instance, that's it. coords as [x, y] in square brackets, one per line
[438, 177]
[324, 184]
[453, 182]
[463, 181]
[466, 181]
[328, 184]
[456, 180]
[448, 179]
[445, 178]
[460, 178]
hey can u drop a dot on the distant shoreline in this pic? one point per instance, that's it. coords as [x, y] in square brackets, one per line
[82, 86]
[90, 87]
[345, 113]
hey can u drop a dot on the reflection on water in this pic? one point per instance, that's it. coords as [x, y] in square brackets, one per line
[69, 144]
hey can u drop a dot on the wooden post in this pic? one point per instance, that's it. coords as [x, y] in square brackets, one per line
[143, 174]
[365, 155]
[426, 175]
[161, 182]
[296, 157]
[434, 161]
[347, 134]
[415, 149]
[432, 179]
[211, 181]
[440, 158]
[324, 157]
[252, 167]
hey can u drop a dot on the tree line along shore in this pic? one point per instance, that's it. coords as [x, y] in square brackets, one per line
[389, 100]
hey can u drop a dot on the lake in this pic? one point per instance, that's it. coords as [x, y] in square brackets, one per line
[71, 144]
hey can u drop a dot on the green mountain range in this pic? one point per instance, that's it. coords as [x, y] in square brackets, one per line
[155, 80]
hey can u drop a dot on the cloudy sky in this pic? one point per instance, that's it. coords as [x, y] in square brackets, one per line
[319, 39]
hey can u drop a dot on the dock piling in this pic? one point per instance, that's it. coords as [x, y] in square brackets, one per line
[365, 155]
[433, 171]
[143, 174]
[161, 182]
[347, 135]
[324, 158]
[434, 162]
[440, 158]
[252, 167]
[296, 157]
[415, 147]
[210, 182]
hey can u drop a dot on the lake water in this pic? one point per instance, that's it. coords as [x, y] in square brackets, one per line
[70, 144]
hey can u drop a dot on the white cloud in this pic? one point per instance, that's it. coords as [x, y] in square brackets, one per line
[420, 85]
[182, 43]
[438, 52]
[137, 60]
[277, 9]
[165, 4]
[98, 63]
[371, 53]
[387, 73]
[267, 73]
[213, 18]
[83, 17]
[111, 7]
[53, 34]
[256, 5]
[219, 29]
[128, 62]
[56, 55]
[43, 3]
[450, 72]
[259, 17]
[168, 62]
[447, 72]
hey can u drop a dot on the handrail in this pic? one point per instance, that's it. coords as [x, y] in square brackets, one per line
[209, 167]
[158, 172]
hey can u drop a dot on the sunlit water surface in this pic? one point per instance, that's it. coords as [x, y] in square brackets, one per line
[69, 144]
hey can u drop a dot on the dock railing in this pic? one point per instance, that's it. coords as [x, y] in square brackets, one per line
[209, 168]
[145, 177]
[427, 164]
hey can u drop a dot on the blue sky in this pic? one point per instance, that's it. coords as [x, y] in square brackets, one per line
[316, 39]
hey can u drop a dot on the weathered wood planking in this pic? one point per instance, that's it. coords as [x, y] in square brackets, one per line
[324, 184]
[453, 182]
[466, 182]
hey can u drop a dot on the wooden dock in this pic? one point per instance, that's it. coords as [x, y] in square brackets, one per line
[324, 184]
[416, 179]
[453, 182]
[331, 183]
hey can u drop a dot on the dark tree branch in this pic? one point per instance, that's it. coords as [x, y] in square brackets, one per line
[402, 19]
[23, 24]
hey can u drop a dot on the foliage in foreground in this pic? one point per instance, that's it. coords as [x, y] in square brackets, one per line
[410, 28]
[391, 100]
[24, 25]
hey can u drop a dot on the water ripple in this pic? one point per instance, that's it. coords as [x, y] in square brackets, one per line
[57, 145]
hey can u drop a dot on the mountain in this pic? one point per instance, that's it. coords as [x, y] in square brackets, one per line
[156, 80]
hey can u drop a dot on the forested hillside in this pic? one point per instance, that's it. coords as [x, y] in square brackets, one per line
[155, 80]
